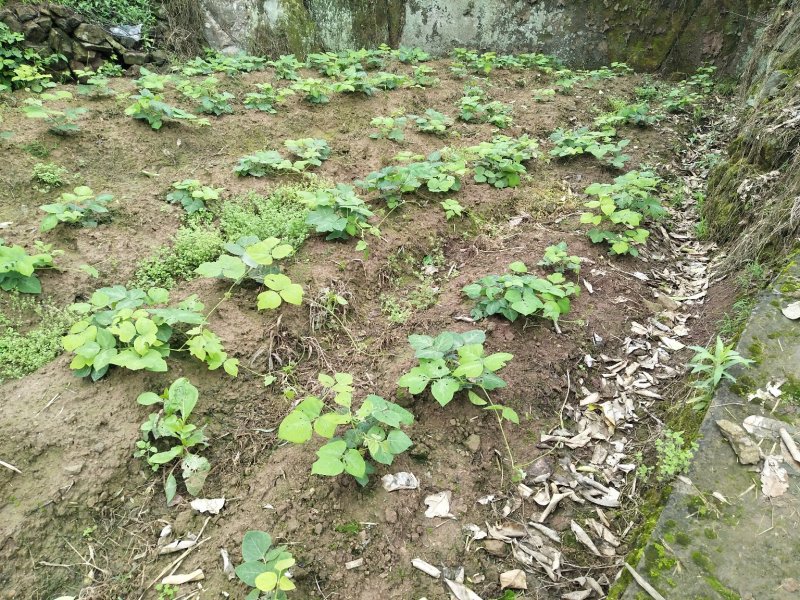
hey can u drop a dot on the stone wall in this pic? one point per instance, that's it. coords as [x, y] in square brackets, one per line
[753, 202]
[56, 29]
[671, 35]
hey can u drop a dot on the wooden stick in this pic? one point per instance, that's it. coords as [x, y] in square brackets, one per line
[643, 583]
[10, 466]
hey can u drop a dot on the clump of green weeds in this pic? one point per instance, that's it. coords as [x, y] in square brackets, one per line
[265, 567]
[61, 122]
[674, 457]
[390, 128]
[499, 162]
[267, 98]
[49, 176]
[600, 144]
[152, 109]
[192, 195]
[432, 121]
[18, 268]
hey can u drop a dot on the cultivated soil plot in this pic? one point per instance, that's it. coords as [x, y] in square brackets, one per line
[516, 439]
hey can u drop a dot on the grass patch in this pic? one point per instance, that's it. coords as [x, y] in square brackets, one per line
[25, 348]
[279, 215]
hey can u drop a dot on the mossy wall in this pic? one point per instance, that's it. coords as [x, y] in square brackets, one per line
[753, 198]
[673, 35]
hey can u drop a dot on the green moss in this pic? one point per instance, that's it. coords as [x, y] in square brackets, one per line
[722, 590]
[279, 215]
[703, 561]
[710, 533]
[684, 539]
[756, 350]
[193, 245]
[25, 347]
[351, 528]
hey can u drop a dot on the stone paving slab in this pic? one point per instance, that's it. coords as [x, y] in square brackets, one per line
[749, 549]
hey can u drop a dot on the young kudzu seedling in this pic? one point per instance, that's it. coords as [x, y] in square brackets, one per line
[473, 109]
[286, 67]
[452, 208]
[312, 151]
[92, 84]
[499, 162]
[124, 328]
[432, 122]
[59, 122]
[558, 259]
[252, 259]
[373, 431]
[265, 567]
[519, 293]
[170, 428]
[81, 206]
[193, 195]
[210, 100]
[599, 144]
[152, 109]
[314, 91]
[18, 268]
[266, 98]
[338, 212]
[390, 128]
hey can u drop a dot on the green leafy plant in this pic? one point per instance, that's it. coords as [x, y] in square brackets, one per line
[59, 122]
[152, 109]
[389, 127]
[314, 91]
[18, 268]
[558, 259]
[167, 435]
[355, 81]
[474, 109]
[286, 67]
[521, 293]
[499, 162]
[338, 212]
[148, 80]
[80, 206]
[311, 151]
[123, 327]
[390, 81]
[216, 62]
[453, 362]
[373, 429]
[193, 195]
[267, 97]
[713, 366]
[253, 259]
[674, 456]
[411, 56]
[544, 94]
[599, 144]
[93, 84]
[432, 122]
[265, 567]
[626, 114]
[620, 208]
[452, 208]
[439, 173]
[31, 77]
[424, 77]
[206, 93]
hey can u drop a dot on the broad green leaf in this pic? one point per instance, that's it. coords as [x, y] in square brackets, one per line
[475, 399]
[248, 571]
[310, 406]
[148, 398]
[293, 294]
[267, 581]
[195, 469]
[295, 428]
[354, 463]
[161, 458]
[268, 300]
[255, 545]
[326, 425]
[415, 381]
[444, 389]
[170, 488]
[398, 441]
[262, 252]
[496, 361]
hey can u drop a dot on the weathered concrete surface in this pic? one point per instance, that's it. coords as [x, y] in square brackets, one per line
[703, 547]
[672, 35]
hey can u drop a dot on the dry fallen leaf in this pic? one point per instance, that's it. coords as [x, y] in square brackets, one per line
[514, 579]
[774, 478]
[438, 505]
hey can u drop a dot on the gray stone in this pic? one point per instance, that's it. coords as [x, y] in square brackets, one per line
[390, 515]
[91, 34]
[473, 443]
[11, 21]
[159, 57]
[36, 31]
[132, 57]
[745, 448]
[74, 469]
[68, 24]
[61, 43]
[495, 548]
[26, 12]
[292, 525]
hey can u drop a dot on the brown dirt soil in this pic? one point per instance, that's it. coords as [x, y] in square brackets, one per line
[73, 440]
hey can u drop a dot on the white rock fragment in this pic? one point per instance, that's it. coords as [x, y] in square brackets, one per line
[354, 564]
[211, 506]
[792, 311]
[400, 481]
[774, 478]
[196, 575]
[427, 568]
[438, 505]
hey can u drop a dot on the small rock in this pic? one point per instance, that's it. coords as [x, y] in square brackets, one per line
[26, 13]
[539, 470]
[495, 547]
[90, 34]
[318, 529]
[74, 469]
[390, 515]
[133, 57]
[292, 525]
[473, 443]
[745, 448]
